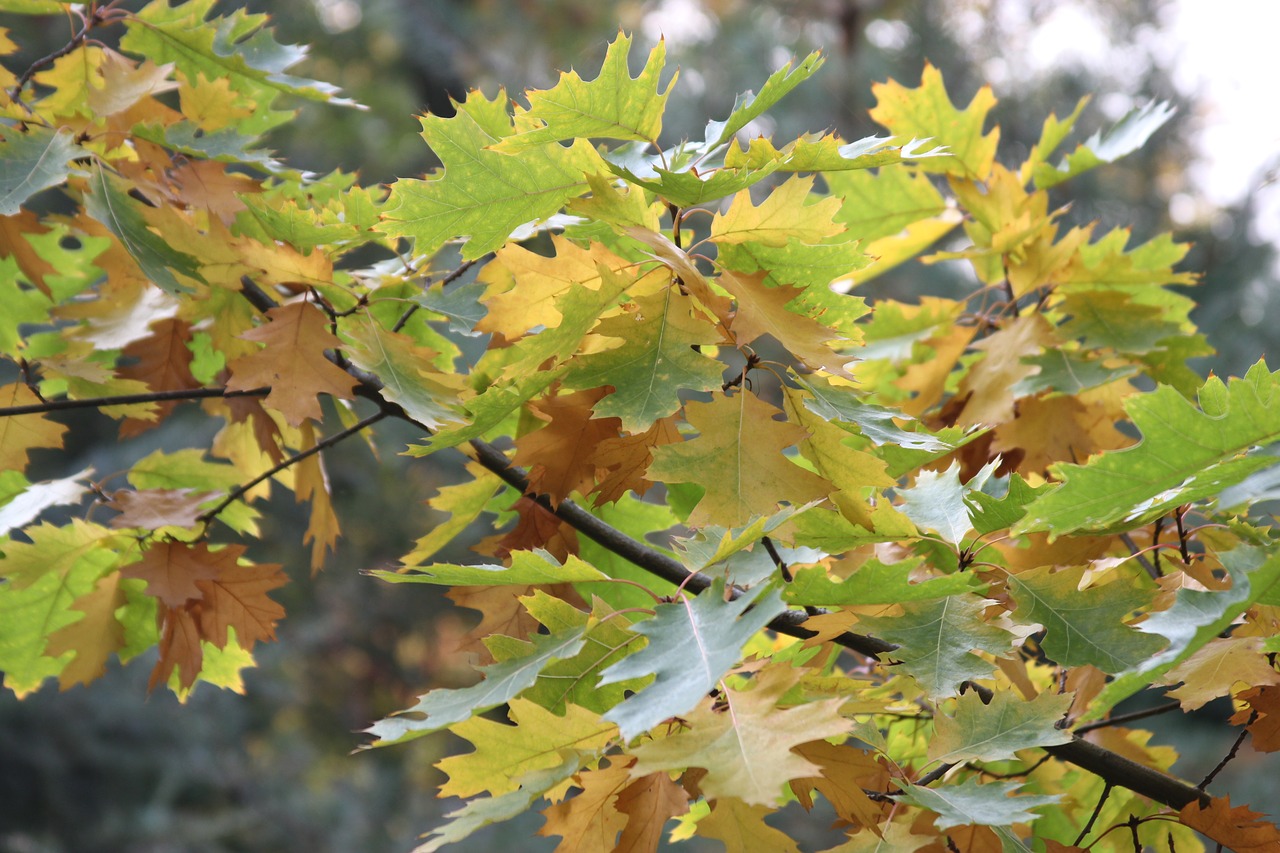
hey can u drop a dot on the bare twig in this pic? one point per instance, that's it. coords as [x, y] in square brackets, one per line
[1097, 810]
[1226, 759]
[240, 491]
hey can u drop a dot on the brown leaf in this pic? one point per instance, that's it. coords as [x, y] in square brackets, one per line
[237, 598]
[560, 455]
[537, 527]
[846, 772]
[208, 184]
[14, 231]
[179, 647]
[1265, 701]
[292, 363]
[500, 613]
[626, 458]
[1056, 429]
[989, 382]
[1238, 828]
[172, 570]
[588, 821]
[312, 483]
[163, 363]
[266, 432]
[648, 802]
[152, 509]
[741, 827]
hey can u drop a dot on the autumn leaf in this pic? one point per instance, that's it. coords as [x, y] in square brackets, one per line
[738, 457]
[171, 570]
[740, 826]
[20, 434]
[1216, 668]
[744, 740]
[614, 105]
[1238, 828]
[927, 111]
[237, 598]
[589, 820]
[648, 803]
[559, 456]
[292, 363]
[179, 646]
[624, 459]
[995, 731]
[1261, 717]
[311, 483]
[94, 638]
[533, 740]
[786, 214]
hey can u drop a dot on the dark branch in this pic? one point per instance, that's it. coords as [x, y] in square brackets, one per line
[128, 399]
[1128, 718]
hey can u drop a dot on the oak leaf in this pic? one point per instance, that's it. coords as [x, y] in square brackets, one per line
[179, 647]
[590, 819]
[738, 457]
[1237, 828]
[20, 434]
[559, 456]
[1216, 668]
[292, 363]
[237, 598]
[624, 459]
[151, 509]
[171, 570]
[784, 215]
[740, 826]
[847, 774]
[746, 742]
[989, 383]
[163, 363]
[311, 483]
[761, 310]
[648, 802]
[1265, 727]
[93, 638]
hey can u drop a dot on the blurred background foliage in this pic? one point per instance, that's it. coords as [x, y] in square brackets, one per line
[106, 768]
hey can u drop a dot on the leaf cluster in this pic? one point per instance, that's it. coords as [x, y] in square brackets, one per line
[756, 540]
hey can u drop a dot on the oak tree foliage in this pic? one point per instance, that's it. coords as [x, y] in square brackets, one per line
[767, 541]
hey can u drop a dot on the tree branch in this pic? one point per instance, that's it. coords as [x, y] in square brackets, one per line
[128, 399]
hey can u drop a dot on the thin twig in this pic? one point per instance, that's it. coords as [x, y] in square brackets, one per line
[1235, 747]
[783, 568]
[1097, 810]
[1137, 555]
[239, 491]
[1128, 718]
[128, 399]
[934, 775]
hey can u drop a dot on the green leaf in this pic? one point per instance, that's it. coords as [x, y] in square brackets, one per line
[971, 803]
[31, 162]
[158, 261]
[937, 501]
[875, 583]
[1186, 454]
[750, 106]
[527, 567]
[843, 404]
[995, 732]
[989, 513]
[573, 681]
[1196, 617]
[654, 361]
[936, 640]
[409, 378]
[481, 194]
[460, 304]
[1067, 373]
[488, 410]
[884, 203]
[687, 187]
[502, 682]
[534, 739]
[1126, 136]
[693, 642]
[237, 48]
[614, 105]
[485, 811]
[1085, 626]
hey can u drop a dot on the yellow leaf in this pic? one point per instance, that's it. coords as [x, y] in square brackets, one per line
[782, 216]
[738, 458]
[21, 434]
